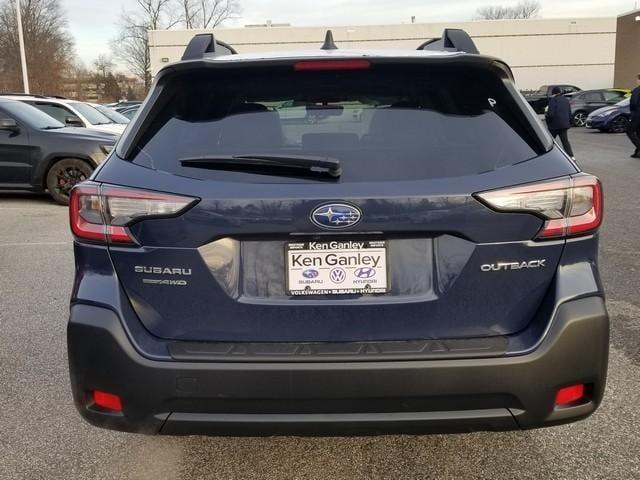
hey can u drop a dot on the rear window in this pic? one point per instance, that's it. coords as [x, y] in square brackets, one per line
[384, 123]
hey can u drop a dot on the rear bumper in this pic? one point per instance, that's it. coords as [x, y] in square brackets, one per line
[336, 398]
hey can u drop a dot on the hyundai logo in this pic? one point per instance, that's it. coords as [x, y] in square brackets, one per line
[338, 275]
[311, 273]
[365, 272]
[335, 216]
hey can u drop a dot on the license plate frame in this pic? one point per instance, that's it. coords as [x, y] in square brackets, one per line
[337, 267]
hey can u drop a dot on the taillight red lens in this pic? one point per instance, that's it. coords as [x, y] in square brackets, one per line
[85, 213]
[103, 213]
[586, 206]
[571, 206]
[316, 65]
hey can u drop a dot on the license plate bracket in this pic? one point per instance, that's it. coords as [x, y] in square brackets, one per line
[337, 267]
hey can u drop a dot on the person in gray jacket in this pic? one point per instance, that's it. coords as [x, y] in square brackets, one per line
[558, 119]
[633, 130]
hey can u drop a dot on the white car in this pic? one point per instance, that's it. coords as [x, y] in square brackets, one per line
[71, 112]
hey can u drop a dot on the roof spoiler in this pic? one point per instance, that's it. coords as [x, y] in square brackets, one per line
[205, 45]
[453, 40]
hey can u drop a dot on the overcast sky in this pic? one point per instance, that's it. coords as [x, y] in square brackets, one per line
[92, 22]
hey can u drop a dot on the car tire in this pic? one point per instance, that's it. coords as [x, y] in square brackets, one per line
[619, 125]
[63, 175]
[579, 119]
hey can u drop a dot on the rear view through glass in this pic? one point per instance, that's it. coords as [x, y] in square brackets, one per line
[383, 123]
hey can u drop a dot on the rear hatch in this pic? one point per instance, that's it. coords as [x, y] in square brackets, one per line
[393, 246]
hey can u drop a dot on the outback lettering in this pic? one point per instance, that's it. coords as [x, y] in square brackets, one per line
[502, 266]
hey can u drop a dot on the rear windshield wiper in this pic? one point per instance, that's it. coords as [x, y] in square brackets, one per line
[268, 164]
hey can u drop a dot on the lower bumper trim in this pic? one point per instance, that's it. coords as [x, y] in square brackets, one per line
[335, 423]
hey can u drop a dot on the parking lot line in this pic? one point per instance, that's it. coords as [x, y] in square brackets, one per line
[33, 244]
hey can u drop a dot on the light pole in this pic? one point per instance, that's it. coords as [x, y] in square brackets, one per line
[23, 56]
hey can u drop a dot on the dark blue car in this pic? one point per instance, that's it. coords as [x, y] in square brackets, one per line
[418, 258]
[613, 119]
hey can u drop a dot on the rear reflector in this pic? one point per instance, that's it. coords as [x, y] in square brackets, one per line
[571, 206]
[316, 65]
[569, 395]
[102, 213]
[108, 401]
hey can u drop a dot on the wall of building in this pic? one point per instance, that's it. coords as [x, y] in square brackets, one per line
[628, 50]
[577, 51]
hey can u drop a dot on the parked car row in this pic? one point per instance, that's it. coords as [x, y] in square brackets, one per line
[51, 143]
[584, 103]
[41, 153]
[587, 101]
[539, 99]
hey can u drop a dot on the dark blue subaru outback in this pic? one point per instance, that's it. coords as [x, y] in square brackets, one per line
[336, 242]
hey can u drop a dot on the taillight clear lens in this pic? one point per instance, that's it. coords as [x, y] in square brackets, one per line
[124, 205]
[570, 206]
[103, 213]
[85, 213]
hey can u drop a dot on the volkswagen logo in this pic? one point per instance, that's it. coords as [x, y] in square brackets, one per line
[311, 273]
[335, 216]
[365, 272]
[338, 275]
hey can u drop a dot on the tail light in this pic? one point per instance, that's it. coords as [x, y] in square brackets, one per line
[102, 213]
[571, 206]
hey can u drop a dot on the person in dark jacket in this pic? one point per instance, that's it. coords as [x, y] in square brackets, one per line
[633, 130]
[558, 118]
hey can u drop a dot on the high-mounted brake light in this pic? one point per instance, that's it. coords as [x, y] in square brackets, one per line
[317, 65]
[104, 213]
[570, 206]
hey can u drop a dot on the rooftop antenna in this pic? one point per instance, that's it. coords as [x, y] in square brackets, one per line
[329, 44]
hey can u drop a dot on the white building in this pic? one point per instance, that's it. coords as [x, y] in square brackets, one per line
[580, 51]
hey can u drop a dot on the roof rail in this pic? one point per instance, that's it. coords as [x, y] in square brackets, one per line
[205, 45]
[453, 40]
[23, 95]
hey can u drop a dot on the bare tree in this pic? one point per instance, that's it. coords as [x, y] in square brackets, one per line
[494, 12]
[523, 10]
[527, 9]
[103, 65]
[189, 11]
[131, 46]
[207, 13]
[48, 46]
[215, 12]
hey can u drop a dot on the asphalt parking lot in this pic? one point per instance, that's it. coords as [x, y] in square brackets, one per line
[42, 437]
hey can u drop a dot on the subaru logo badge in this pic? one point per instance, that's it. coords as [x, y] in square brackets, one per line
[334, 216]
[311, 273]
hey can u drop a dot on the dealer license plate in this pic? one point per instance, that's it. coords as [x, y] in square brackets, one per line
[337, 267]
